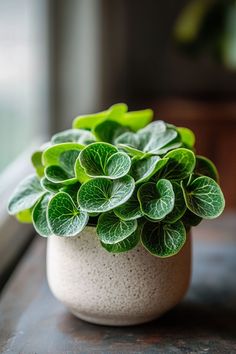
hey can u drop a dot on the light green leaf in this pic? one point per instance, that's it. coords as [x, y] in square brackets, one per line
[24, 216]
[64, 218]
[64, 173]
[91, 120]
[187, 136]
[52, 155]
[39, 216]
[104, 160]
[130, 210]
[80, 136]
[180, 165]
[137, 119]
[123, 246]
[36, 159]
[179, 207]
[111, 229]
[163, 240]
[25, 195]
[204, 197]
[206, 167]
[102, 194]
[108, 131]
[80, 172]
[156, 200]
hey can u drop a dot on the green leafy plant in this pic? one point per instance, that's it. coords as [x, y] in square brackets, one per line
[135, 180]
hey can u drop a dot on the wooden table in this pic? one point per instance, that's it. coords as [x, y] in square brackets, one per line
[32, 321]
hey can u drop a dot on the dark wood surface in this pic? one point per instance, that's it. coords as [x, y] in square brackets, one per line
[32, 321]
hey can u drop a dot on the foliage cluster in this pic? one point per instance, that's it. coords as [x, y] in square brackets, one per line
[133, 179]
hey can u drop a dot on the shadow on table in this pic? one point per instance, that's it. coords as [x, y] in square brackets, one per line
[187, 320]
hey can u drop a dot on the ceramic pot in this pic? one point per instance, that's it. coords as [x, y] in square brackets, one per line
[115, 289]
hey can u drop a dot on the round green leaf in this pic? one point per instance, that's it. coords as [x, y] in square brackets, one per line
[39, 216]
[130, 210]
[180, 165]
[206, 167]
[101, 194]
[52, 155]
[64, 218]
[118, 165]
[204, 197]
[25, 195]
[111, 229]
[80, 136]
[179, 207]
[104, 160]
[163, 240]
[157, 200]
[123, 246]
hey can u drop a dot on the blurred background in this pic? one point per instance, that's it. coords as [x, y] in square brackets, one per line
[62, 58]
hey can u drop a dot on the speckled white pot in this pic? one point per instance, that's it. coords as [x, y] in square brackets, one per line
[115, 289]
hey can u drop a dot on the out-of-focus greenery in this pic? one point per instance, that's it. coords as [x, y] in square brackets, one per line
[208, 26]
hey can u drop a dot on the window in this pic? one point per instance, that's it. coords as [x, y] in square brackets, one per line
[23, 107]
[23, 69]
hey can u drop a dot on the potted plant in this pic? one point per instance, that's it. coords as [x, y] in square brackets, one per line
[116, 196]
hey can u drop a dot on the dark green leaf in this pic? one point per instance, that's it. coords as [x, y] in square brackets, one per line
[108, 131]
[102, 194]
[204, 197]
[50, 186]
[111, 229]
[104, 160]
[163, 240]
[190, 218]
[39, 216]
[143, 169]
[157, 200]
[130, 210]
[57, 174]
[180, 165]
[25, 195]
[123, 246]
[64, 218]
[179, 207]
[206, 167]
